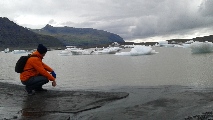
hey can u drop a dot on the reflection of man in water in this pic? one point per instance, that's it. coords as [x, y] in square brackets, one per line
[34, 107]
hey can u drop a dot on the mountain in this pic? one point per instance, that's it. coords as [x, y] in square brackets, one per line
[81, 37]
[17, 37]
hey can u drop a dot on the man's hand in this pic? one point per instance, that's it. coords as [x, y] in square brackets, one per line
[54, 83]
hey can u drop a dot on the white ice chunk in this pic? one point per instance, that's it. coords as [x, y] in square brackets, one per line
[138, 50]
[201, 47]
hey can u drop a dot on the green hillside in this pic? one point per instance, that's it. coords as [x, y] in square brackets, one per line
[81, 37]
[17, 37]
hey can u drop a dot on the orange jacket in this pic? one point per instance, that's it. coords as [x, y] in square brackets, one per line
[35, 67]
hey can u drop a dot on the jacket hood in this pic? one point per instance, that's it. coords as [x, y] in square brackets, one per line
[37, 54]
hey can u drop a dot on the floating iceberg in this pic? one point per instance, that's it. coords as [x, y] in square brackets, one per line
[189, 42]
[164, 44]
[138, 50]
[108, 50]
[19, 51]
[7, 50]
[65, 53]
[80, 52]
[72, 50]
[201, 47]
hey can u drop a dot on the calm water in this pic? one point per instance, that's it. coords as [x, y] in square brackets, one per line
[171, 66]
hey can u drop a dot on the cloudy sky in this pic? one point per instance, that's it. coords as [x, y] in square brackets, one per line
[133, 20]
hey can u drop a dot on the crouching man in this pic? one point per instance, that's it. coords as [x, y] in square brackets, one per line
[36, 73]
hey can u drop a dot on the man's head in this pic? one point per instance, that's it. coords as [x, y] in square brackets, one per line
[41, 49]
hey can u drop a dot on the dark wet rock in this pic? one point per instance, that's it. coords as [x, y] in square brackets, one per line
[49, 117]
[203, 116]
[54, 105]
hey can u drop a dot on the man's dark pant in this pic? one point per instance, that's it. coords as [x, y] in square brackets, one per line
[35, 83]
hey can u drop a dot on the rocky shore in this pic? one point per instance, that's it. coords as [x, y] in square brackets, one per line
[124, 103]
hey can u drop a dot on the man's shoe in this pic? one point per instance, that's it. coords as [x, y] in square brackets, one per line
[41, 90]
[29, 92]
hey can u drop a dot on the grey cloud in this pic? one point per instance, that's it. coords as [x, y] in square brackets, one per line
[136, 19]
[206, 8]
[51, 21]
[150, 18]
